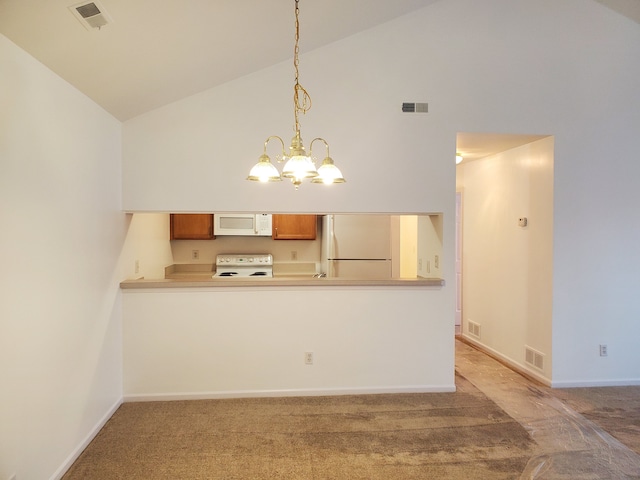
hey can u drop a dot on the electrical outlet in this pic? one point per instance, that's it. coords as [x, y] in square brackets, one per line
[294, 255]
[419, 264]
[308, 358]
[603, 350]
[437, 261]
[195, 254]
[137, 270]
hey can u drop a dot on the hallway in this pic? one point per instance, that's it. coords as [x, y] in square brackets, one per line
[569, 445]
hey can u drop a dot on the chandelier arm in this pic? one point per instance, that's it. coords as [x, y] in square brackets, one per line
[323, 141]
[281, 142]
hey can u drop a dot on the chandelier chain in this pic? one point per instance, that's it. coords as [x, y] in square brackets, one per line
[301, 99]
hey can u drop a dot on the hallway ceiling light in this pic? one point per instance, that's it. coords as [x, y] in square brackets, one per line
[298, 164]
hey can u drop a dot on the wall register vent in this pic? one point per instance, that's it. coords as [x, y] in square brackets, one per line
[473, 328]
[91, 14]
[415, 107]
[534, 358]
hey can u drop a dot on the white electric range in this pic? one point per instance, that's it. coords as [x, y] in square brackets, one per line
[242, 266]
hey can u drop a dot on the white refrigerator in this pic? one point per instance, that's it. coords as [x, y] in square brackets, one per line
[356, 246]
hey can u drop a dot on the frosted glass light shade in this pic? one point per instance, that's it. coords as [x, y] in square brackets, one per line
[299, 167]
[264, 171]
[328, 173]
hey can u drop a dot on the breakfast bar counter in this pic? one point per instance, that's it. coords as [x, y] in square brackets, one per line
[297, 274]
[285, 281]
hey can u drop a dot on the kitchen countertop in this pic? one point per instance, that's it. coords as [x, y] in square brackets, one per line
[286, 281]
[285, 275]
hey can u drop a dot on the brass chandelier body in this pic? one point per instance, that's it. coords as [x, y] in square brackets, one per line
[298, 164]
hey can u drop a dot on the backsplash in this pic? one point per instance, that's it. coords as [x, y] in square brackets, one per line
[283, 251]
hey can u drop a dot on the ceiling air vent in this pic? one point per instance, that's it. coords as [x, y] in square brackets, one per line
[91, 14]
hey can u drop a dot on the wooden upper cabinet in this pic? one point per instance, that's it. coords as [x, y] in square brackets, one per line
[294, 227]
[191, 226]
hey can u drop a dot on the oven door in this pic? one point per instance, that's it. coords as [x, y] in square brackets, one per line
[242, 224]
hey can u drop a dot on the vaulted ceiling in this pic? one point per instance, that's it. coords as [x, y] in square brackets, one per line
[153, 53]
[156, 52]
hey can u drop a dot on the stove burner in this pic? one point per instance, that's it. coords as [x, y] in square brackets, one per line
[258, 274]
[228, 274]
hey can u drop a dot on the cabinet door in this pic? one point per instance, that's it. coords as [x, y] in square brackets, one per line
[294, 227]
[191, 226]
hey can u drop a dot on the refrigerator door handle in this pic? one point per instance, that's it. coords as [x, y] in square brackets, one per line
[332, 238]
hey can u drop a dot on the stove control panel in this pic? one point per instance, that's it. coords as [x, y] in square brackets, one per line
[240, 260]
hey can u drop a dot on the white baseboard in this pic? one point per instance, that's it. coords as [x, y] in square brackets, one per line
[90, 436]
[151, 397]
[633, 382]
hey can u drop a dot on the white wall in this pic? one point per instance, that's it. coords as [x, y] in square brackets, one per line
[508, 269]
[62, 233]
[566, 68]
[207, 343]
[194, 155]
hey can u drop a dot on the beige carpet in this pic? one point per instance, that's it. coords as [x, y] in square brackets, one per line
[409, 436]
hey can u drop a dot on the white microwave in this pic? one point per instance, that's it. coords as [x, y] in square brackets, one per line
[244, 224]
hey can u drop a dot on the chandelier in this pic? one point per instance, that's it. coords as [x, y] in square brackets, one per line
[297, 164]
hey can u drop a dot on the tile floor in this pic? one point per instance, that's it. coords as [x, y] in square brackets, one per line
[570, 446]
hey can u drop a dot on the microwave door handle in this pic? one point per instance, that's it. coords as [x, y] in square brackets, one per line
[255, 224]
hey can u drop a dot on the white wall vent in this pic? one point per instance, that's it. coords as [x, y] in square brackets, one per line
[415, 107]
[91, 14]
[533, 357]
[473, 329]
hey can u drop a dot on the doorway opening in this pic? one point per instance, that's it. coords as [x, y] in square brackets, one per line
[504, 237]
